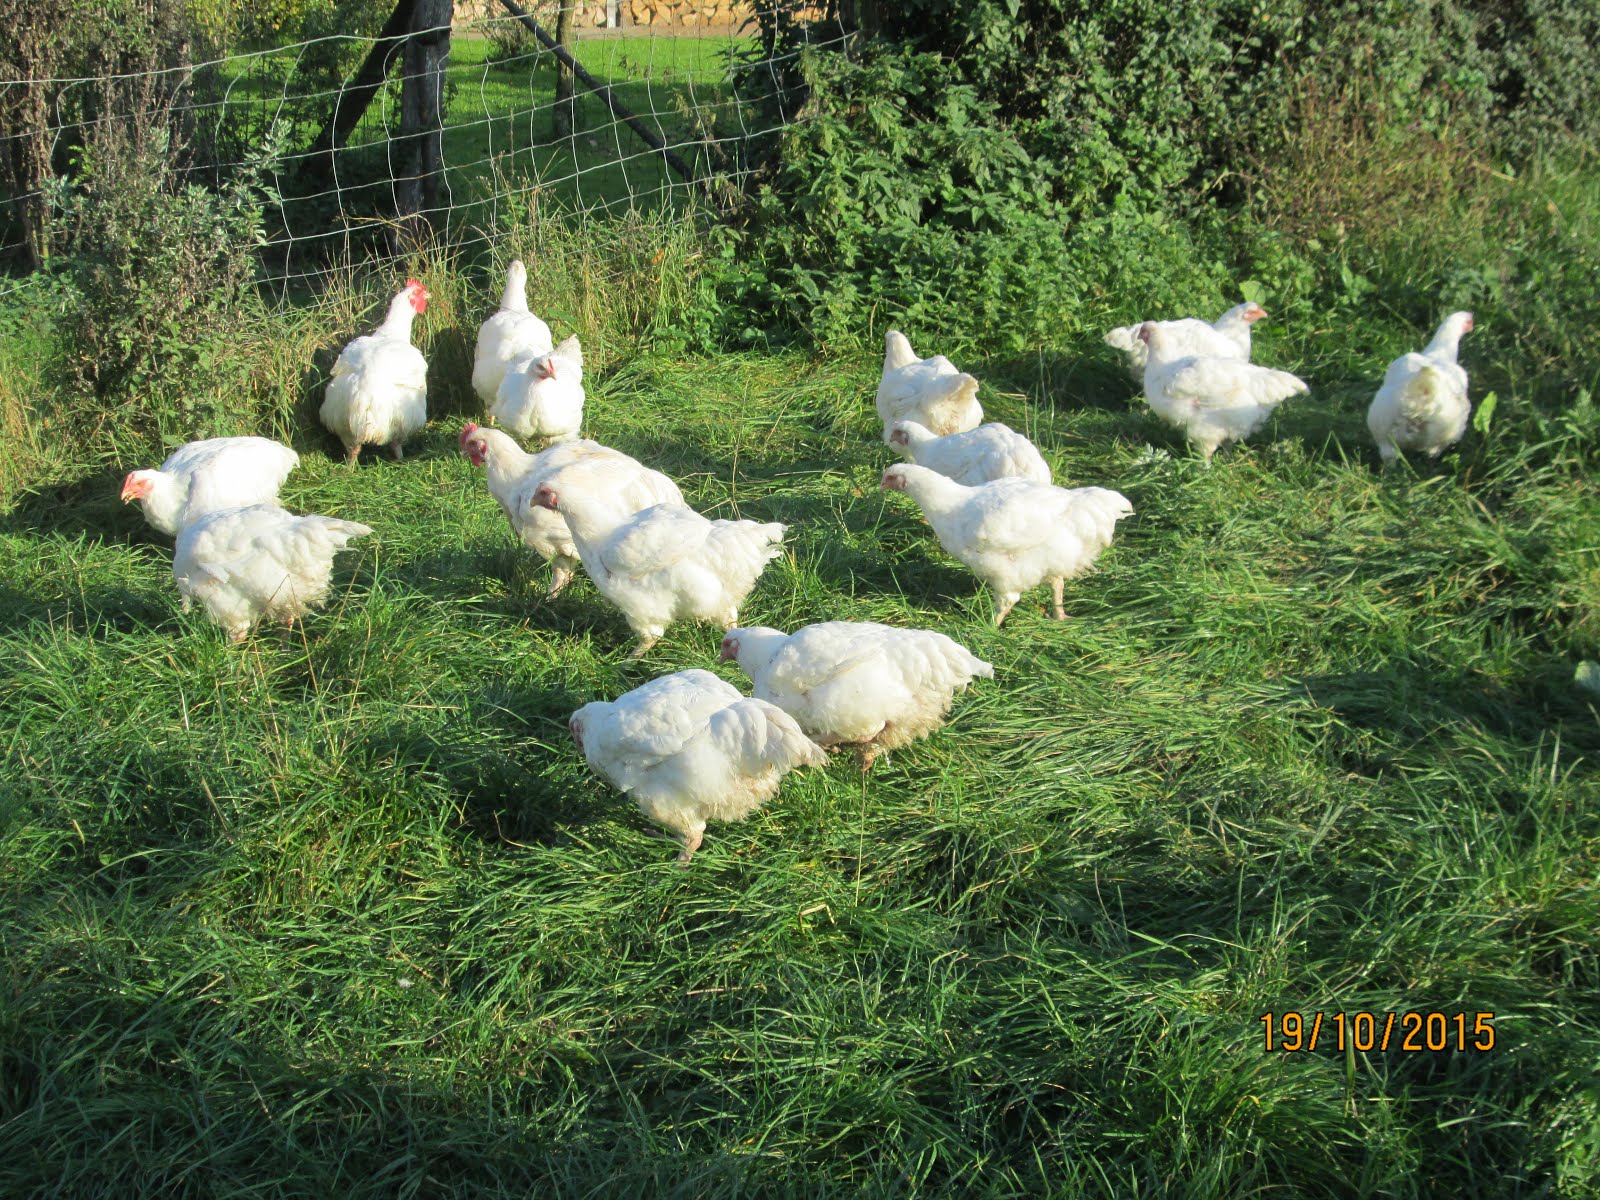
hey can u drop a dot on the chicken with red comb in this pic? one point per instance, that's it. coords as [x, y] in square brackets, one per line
[378, 393]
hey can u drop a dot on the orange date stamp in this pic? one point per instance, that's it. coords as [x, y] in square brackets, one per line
[1409, 1032]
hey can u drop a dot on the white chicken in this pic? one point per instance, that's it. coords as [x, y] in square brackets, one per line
[1226, 337]
[542, 397]
[1213, 400]
[511, 334]
[1012, 533]
[929, 391]
[1423, 404]
[246, 564]
[203, 477]
[514, 476]
[378, 394]
[856, 682]
[688, 748]
[667, 563]
[992, 451]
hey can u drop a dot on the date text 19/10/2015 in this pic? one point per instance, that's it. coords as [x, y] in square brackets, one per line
[1411, 1032]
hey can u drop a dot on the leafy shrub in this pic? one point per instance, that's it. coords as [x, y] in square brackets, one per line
[509, 39]
[988, 166]
[163, 276]
[902, 197]
[1150, 86]
[68, 62]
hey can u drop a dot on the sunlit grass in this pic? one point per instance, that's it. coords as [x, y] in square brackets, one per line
[344, 909]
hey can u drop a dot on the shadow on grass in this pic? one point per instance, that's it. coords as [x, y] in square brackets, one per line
[1085, 375]
[118, 608]
[90, 504]
[517, 796]
[1411, 704]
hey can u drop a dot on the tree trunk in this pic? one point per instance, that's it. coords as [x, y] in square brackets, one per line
[564, 117]
[352, 101]
[419, 150]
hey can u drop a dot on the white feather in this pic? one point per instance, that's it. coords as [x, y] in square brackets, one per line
[688, 748]
[259, 562]
[929, 391]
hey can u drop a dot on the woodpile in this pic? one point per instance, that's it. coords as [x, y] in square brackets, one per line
[688, 13]
[589, 14]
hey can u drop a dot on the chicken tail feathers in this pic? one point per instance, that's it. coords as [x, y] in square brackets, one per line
[1096, 513]
[1280, 386]
[759, 736]
[897, 351]
[1423, 394]
[332, 531]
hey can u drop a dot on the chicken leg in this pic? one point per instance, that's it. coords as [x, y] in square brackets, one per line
[1057, 587]
[691, 842]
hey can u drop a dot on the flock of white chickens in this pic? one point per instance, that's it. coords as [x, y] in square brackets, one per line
[688, 747]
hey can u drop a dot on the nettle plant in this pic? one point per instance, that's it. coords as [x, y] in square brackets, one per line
[900, 193]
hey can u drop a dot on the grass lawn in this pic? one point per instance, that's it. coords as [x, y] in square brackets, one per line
[343, 911]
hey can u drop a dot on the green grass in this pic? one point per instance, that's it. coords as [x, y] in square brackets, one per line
[344, 911]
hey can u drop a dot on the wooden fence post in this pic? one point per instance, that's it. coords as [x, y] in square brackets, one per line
[564, 116]
[419, 150]
[603, 90]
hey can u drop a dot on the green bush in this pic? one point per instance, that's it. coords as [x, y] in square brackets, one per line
[1158, 90]
[903, 198]
[162, 274]
[992, 167]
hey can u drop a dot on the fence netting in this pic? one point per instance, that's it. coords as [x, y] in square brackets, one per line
[322, 124]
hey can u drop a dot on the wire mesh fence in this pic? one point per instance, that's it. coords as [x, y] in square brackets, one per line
[658, 116]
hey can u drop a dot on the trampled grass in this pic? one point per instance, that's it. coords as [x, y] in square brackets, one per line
[342, 910]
